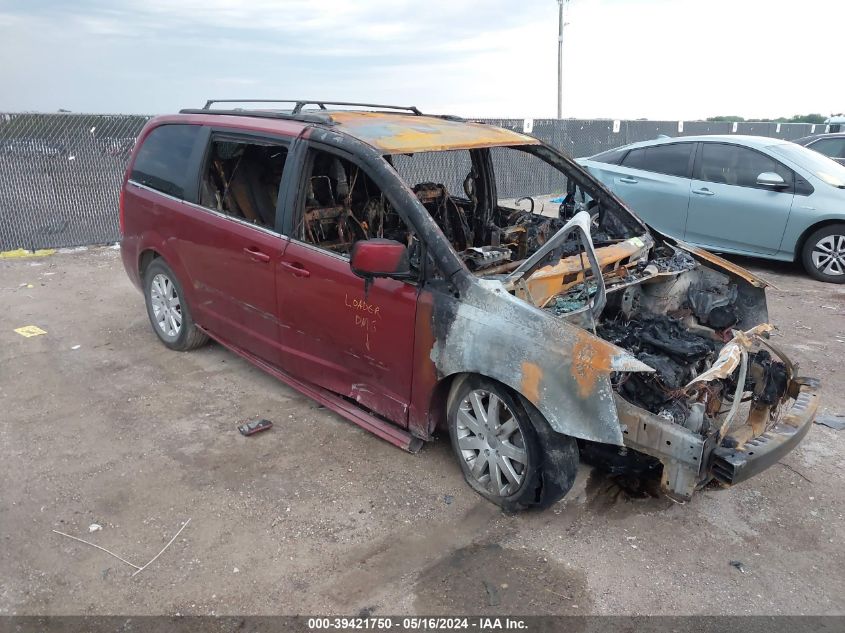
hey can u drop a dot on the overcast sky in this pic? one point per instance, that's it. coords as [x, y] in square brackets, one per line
[660, 59]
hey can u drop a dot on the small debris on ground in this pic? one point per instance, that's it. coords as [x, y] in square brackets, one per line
[800, 474]
[251, 427]
[833, 421]
[94, 527]
[76, 346]
[738, 564]
[448, 499]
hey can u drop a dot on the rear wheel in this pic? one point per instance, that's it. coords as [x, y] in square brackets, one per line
[823, 254]
[168, 311]
[503, 454]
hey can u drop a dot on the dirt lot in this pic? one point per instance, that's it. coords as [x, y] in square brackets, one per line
[317, 516]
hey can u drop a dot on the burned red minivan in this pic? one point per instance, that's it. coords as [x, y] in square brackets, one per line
[415, 272]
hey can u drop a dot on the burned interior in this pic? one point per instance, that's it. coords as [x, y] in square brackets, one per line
[242, 179]
[493, 226]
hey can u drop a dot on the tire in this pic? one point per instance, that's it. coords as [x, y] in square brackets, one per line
[517, 462]
[169, 313]
[823, 254]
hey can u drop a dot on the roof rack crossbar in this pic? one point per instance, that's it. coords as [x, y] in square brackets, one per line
[306, 117]
[299, 104]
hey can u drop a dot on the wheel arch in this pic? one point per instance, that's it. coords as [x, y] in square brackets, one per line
[447, 387]
[802, 239]
[152, 246]
[145, 258]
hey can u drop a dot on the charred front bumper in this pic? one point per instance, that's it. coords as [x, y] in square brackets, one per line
[733, 465]
[689, 459]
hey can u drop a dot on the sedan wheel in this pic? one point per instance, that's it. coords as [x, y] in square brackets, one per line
[823, 254]
[828, 255]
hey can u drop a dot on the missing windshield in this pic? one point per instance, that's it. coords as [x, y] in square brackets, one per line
[499, 206]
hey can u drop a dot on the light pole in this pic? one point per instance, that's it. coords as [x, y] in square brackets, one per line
[561, 24]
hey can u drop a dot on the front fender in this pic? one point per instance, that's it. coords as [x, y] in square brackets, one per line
[563, 370]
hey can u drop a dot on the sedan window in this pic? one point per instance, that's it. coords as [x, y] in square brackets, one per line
[671, 159]
[833, 147]
[735, 165]
[819, 165]
[611, 157]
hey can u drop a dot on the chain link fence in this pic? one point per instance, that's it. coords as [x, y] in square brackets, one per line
[60, 177]
[60, 174]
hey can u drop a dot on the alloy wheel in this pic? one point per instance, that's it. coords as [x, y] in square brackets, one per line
[491, 442]
[828, 255]
[167, 308]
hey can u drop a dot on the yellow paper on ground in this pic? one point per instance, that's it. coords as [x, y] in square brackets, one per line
[30, 330]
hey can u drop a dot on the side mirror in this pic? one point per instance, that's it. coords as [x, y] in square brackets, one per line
[380, 258]
[770, 179]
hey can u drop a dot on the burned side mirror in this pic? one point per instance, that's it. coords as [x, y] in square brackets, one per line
[380, 258]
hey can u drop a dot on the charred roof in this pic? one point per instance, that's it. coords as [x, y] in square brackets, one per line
[389, 129]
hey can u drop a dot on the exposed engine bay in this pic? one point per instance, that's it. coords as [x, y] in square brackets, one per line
[702, 332]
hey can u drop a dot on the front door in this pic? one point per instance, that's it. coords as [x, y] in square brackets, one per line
[728, 209]
[353, 338]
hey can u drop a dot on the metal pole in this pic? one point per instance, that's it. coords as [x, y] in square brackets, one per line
[560, 60]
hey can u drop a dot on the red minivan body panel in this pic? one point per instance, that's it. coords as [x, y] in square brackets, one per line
[232, 268]
[345, 337]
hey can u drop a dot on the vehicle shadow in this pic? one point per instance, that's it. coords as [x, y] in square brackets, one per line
[769, 267]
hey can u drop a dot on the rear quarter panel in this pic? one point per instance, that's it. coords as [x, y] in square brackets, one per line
[149, 220]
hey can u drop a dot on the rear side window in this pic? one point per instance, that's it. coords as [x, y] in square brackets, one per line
[671, 159]
[242, 179]
[735, 165]
[162, 161]
[611, 156]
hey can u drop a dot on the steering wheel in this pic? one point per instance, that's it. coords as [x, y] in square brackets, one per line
[530, 199]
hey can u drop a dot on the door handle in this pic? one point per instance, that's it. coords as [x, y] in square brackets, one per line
[296, 269]
[704, 191]
[255, 254]
[629, 180]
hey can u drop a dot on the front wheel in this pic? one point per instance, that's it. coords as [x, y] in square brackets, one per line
[823, 254]
[503, 454]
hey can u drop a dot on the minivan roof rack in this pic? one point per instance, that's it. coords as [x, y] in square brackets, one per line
[304, 117]
[299, 104]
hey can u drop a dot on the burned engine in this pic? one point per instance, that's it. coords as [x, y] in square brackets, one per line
[661, 342]
[679, 318]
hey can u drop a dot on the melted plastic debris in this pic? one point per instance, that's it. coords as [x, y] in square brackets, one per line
[679, 262]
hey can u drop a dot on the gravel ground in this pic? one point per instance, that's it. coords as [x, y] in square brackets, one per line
[101, 424]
